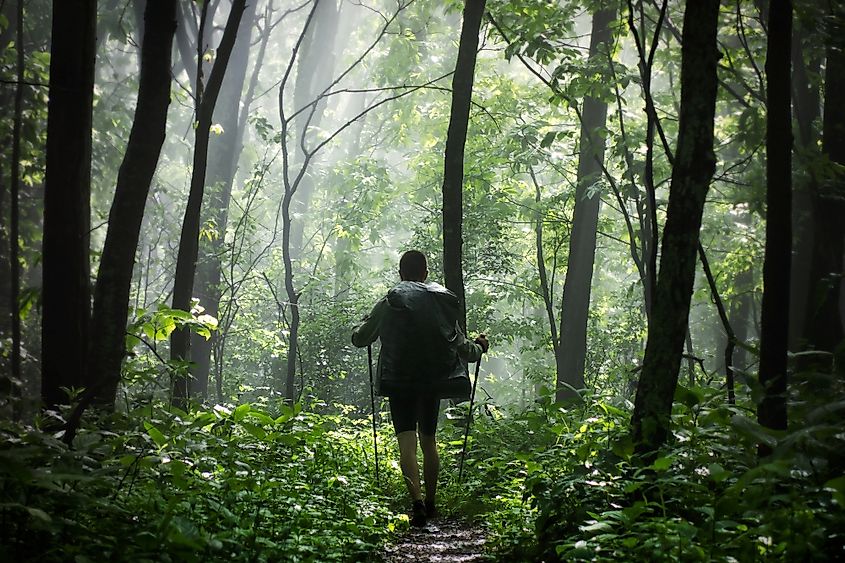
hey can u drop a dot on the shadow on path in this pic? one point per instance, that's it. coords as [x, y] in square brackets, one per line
[441, 540]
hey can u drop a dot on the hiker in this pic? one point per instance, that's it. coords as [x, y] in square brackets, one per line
[423, 359]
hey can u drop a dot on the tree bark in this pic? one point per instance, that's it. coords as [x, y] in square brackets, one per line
[771, 412]
[224, 151]
[189, 239]
[66, 266]
[575, 306]
[12, 282]
[545, 286]
[806, 100]
[114, 279]
[824, 315]
[691, 174]
[453, 171]
[740, 311]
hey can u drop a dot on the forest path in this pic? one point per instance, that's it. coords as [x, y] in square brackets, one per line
[442, 540]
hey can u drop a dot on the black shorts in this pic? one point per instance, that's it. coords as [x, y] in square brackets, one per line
[408, 412]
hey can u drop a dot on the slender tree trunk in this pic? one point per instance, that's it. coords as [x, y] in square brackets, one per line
[189, 239]
[824, 316]
[66, 266]
[224, 152]
[691, 174]
[730, 345]
[545, 289]
[575, 307]
[740, 311]
[312, 78]
[114, 279]
[453, 172]
[14, 320]
[775, 315]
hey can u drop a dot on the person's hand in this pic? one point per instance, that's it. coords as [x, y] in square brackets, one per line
[483, 342]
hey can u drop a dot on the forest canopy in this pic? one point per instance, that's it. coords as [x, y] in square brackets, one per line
[639, 202]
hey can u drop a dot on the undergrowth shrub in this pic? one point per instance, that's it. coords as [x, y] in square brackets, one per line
[230, 483]
[561, 483]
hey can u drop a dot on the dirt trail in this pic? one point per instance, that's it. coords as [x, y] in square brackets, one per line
[442, 540]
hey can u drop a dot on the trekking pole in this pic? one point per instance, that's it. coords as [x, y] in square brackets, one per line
[469, 421]
[373, 406]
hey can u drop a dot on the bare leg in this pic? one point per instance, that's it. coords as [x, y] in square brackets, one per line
[431, 466]
[408, 462]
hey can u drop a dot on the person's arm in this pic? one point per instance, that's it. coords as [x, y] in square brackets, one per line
[471, 350]
[368, 330]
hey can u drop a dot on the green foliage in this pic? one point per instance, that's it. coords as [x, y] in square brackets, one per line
[229, 483]
[563, 484]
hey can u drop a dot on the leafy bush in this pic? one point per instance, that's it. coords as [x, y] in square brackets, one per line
[222, 484]
[563, 484]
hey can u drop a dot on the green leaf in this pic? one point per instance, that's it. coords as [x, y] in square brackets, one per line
[754, 431]
[662, 463]
[254, 430]
[688, 396]
[837, 487]
[154, 433]
[548, 139]
[240, 411]
[39, 514]
[718, 473]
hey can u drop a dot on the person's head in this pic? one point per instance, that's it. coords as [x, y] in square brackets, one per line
[413, 266]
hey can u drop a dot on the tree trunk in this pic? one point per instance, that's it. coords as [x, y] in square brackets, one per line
[740, 311]
[225, 150]
[314, 72]
[114, 279]
[545, 286]
[67, 218]
[806, 101]
[775, 311]
[824, 316]
[691, 174]
[11, 318]
[575, 307]
[453, 171]
[189, 239]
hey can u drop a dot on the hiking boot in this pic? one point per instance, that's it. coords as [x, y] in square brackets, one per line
[430, 509]
[418, 515]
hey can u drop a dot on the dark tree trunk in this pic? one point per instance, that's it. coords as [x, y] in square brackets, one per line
[824, 320]
[189, 240]
[224, 151]
[775, 313]
[453, 172]
[575, 307]
[114, 279]
[67, 222]
[806, 104]
[691, 174]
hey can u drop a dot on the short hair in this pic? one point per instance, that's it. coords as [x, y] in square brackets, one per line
[413, 265]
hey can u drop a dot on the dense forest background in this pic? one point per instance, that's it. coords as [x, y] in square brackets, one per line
[641, 202]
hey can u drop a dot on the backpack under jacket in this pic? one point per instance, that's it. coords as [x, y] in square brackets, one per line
[419, 344]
